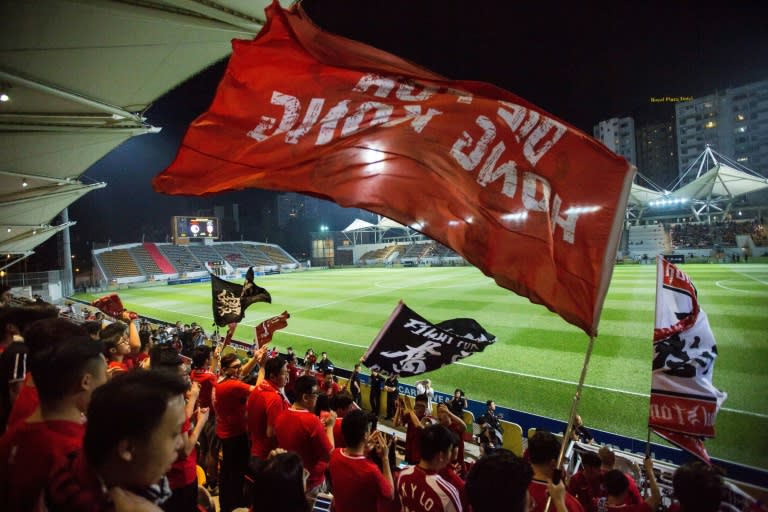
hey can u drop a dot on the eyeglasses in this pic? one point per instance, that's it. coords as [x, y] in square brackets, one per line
[234, 366]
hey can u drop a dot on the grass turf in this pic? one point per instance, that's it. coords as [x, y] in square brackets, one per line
[537, 358]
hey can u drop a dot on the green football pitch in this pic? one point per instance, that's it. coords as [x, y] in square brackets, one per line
[537, 358]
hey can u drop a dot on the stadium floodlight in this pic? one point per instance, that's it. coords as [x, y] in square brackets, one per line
[323, 228]
[4, 97]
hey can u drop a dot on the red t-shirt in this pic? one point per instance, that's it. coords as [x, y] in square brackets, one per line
[450, 476]
[28, 454]
[412, 437]
[329, 389]
[338, 435]
[114, 367]
[75, 486]
[207, 381]
[417, 487]
[358, 483]
[229, 404]
[265, 404]
[26, 404]
[183, 472]
[300, 431]
[584, 490]
[459, 431]
[539, 494]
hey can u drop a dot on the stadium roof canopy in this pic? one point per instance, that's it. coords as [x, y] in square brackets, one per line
[712, 182]
[77, 79]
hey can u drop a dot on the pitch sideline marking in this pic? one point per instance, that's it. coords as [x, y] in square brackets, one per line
[720, 284]
[509, 372]
[749, 276]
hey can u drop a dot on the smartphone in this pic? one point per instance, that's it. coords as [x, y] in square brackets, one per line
[322, 503]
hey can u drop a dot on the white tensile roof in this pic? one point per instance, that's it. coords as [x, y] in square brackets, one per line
[79, 76]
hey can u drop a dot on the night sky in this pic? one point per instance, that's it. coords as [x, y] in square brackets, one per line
[581, 64]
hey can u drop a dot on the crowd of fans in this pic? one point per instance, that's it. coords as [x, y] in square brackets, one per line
[722, 233]
[110, 415]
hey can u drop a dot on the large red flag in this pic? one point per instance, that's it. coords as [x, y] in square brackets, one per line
[684, 402]
[528, 199]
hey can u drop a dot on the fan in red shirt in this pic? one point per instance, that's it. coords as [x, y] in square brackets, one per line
[265, 404]
[617, 487]
[182, 478]
[420, 485]
[587, 484]
[358, 484]
[415, 419]
[205, 375]
[343, 404]
[67, 373]
[456, 425]
[329, 387]
[117, 347]
[229, 401]
[697, 488]
[299, 430]
[126, 450]
[543, 450]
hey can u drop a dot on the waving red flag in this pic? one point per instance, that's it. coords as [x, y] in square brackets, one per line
[529, 200]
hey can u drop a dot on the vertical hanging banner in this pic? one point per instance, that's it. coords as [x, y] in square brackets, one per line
[684, 402]
[523, 196]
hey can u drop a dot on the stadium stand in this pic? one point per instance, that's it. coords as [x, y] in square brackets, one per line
[255, 256]
[119, 263]
[161, 261]
[145, 260]
[277, 254]
[205, 253]
[233, 255]
[648, 240]
[180, 257]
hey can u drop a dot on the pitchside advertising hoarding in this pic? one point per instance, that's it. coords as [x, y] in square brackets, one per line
[195, 227]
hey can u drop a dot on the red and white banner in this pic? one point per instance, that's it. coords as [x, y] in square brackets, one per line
[267, 328]
[528, 199]
[684, 402]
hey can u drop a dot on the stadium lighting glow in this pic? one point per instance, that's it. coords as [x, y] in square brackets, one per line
[4, 97]
[516, 217]
[578, 210]
[323, 228]
[24, 183]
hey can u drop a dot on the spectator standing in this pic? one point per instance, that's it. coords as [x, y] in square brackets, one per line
[607, 463]
[391, 387]
[299, 430]
[415, 420]
[456, 425]
[265, 404]
[421, 484]
[229, 402]
[697, 488]
[587, 483]
[354, 387]
[580, 432]
[617, 488]
[329, 387]
[358, 484]
[205, 368]
[126, 450]
[325, 364]
[543, 450]
[424, 387]
[376, 382]
[458, 403]
[67, 373]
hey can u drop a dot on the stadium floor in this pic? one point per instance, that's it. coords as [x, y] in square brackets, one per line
[537, 358]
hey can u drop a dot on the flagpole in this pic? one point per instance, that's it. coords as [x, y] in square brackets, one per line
[574, 408]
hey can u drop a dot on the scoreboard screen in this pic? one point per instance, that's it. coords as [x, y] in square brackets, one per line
[195, 227]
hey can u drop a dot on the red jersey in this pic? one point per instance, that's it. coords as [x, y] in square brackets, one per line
[229, 404]
[265, 404]
[114, 367]
[420, 490]
[338, 435]
[584, 490]
[358, 484]
[412, 437]
[75, 487]
[28, 454]
[450, 476]
[329, 389]
[207, 381]
[300, 431]
[183, 472]
[26, 404]
[539, 494]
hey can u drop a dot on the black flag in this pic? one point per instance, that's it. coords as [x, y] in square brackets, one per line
[230, 300]
[410, 345]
